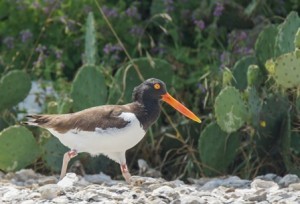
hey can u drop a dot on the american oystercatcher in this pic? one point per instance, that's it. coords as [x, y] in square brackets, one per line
[110, 129]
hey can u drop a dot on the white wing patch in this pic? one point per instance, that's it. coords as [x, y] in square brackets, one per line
[104, 141]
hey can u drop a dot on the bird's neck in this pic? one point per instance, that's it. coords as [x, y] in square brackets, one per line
[147, 112]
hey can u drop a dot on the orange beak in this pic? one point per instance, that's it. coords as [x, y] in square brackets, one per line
[181, 108]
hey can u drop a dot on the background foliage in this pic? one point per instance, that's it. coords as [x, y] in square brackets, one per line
[235, 63]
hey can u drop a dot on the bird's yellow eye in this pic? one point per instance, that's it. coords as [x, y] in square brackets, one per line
[157, 86]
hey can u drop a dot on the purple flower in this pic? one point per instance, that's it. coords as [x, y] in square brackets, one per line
[25, 35]
[218, 9]
[109, 48]
[58, 54]
[201, 87]
[169, 5]
[40, 48]
[200, 24]
[133, 12]
[136, 31]
[110, 12]
[9, 42]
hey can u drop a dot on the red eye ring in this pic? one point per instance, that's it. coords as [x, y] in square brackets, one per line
[156, 86]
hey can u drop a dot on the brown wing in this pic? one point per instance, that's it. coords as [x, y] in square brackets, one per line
[101, 117]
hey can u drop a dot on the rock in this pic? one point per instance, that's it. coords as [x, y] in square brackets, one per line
[68, 180]
[47, 180]
[191, 200]
[294, 186]
[166, 193]
[270, 177]
[258, 184]
[232, 181]
[258, 196]
[50, 191]
[99, 179]
[288, 179]
[25, 175]
[28, 202]
[1, 175]
[10, 194]
[145, 170]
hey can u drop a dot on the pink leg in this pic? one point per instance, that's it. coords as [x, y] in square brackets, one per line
[125, 172]
[67, 157]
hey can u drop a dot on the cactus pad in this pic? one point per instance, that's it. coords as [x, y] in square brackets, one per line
[154, 68]
[254, 76]
[297, 39]
[254, 105]
[217, 149]
[14, 87]
[88, 88]
[265, 43]
[90, 41]
[240, 71]
[286, 34]
[230, 110]
[286, 70]
[53, 152]
[18, 148]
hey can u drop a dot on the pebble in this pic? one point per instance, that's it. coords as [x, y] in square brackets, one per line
[100, 188]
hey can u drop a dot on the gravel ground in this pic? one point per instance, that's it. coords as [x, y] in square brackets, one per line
[28, 187]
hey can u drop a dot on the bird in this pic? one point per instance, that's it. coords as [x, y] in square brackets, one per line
[110, 130]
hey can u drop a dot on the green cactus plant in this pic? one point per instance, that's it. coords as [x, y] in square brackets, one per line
[272, 113]
[230, 110]
[254, 76]
[285, 69]
[157, 68]
[90, 41]
[52, 153]
[265, 44]
[240, 72]
[286, 34]
[297, 39]
[217, 149]
[254, 105]
[88, 88]
[14, 87]
[18, 148]
[65, 106]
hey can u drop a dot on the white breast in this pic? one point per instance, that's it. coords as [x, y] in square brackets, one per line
[104, 141]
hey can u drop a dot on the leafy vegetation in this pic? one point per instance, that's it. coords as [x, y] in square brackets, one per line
[235, 63]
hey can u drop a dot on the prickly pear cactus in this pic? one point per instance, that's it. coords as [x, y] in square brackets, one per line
[90, 41]
[240, 72]
[286, 34]
[52, 153]
[18, 148]
[298, 104]
[65, 106]
[227, 77]
[230, 110]
[14, 87]
[273, 111]
[126, 78]
[286, 141]
[217, 149]
[88, 88]
[285, 69]
[254, 76]
[297, 39]
[52, 107]
[265, 43]
[254, 105]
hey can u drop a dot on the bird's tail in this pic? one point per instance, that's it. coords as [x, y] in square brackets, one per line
[35, 120]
